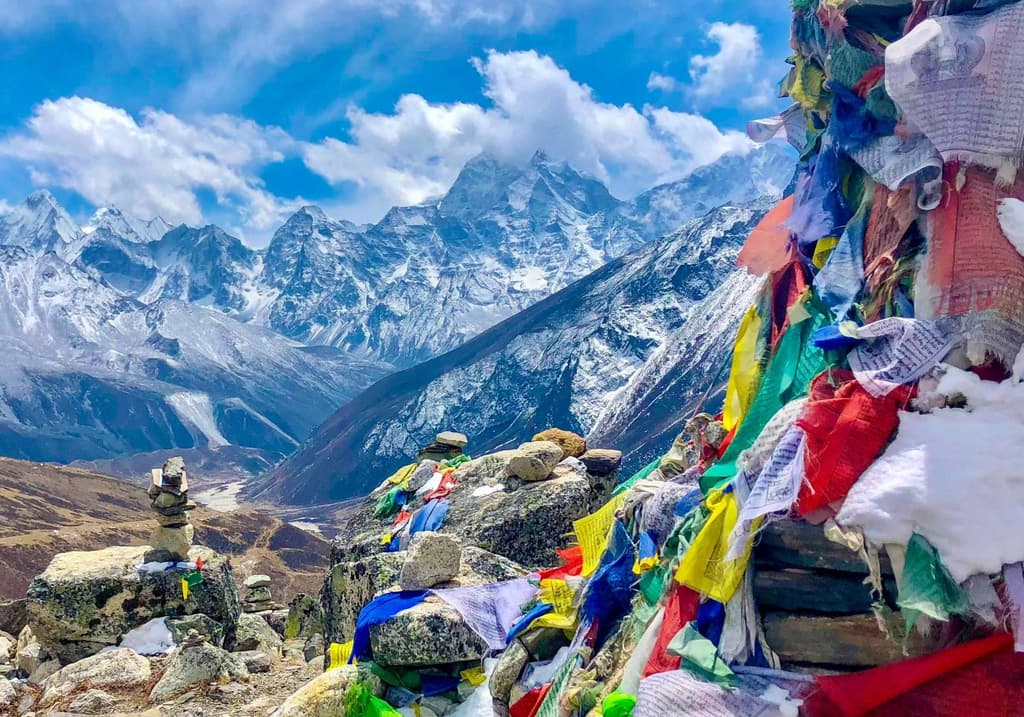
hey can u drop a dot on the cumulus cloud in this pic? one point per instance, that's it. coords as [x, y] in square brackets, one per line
[416, 151]
[157, 163]
[664, 83]
[737, 59]
[154, 165]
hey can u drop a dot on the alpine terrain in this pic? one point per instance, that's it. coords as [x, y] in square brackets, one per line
[124, 337]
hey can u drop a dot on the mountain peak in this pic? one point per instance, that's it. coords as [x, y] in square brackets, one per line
[113, 222]
[39, 223]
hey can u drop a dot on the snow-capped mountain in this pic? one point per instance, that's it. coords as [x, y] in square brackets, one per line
[126, 335]
[88, 372]
[635, 341]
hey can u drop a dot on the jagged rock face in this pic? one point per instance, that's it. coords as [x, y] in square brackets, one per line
[655, 327]
[85, 601]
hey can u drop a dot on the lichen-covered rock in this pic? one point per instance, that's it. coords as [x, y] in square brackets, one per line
[430, 633]
[572, 444]
[432, 558]
[602, 461]
[84, 601]
[276, 619]
[196, 665]
[506, 672]
[535, 461]
[253, 633]
[120, 669]
[349, 586]
[325, 695]
[305, 617]
[92, 702]
[527, 525]
[203, 624]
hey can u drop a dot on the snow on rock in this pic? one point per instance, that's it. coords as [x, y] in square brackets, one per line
[150, 639]
[195, 408]
[954, 476]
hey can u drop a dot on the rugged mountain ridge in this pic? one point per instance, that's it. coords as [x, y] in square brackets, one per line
[578, 359]
[127, 336]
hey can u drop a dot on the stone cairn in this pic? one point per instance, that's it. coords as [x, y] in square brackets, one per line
[172, 538]
[447, 445]
[258, 597]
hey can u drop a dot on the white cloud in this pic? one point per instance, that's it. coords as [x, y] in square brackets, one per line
[155, 165]
[658, 81]
[5, 206]
[159, 163]
[416, 151]
[737, 61]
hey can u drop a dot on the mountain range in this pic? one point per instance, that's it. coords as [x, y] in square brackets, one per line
[124, 336]
[632, 347]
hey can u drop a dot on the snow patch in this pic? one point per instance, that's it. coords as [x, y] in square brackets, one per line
[953, 476]
[150, 639]
[1011, 219]
[306, 525]
[195, 408]
[223, 498]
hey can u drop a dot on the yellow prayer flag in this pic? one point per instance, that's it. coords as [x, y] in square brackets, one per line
[399, 476]
[474, 676]
[593, 532]
[745, 374]
[558, 594]
[338, 654]
[184, 588]
[704, 566]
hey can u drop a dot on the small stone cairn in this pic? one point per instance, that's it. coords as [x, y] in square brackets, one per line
[172, 538]
[258, 597]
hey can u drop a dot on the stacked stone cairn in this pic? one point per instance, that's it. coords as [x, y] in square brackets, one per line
[172, 538]
[258, 598]
[447, 445]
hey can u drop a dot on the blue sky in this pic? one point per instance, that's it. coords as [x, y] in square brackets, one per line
[237, 112]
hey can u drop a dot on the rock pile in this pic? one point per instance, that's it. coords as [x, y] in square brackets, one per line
[172, 538]
[447, 445]
[257, 598]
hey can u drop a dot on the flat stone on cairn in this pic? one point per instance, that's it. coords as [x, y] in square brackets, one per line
[172, 538]
[258, 598]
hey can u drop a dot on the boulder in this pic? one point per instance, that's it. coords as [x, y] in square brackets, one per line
[205, 625]
[253, 633]
[171, 543]
[325, 695]
[432, 558]
[119, 669]
[93, 702]
[199, 664]
[431, 633]
[255, 660]
[506, 672]
[84, 601]
[13, 616]
[572, 444]
[277, 619]
[45, 669]
[602, 461]
[29, 652]
[8, 646]
[420, 476]
[543, 642]
[535, 461]
[305, 617]
[351, 585]
[451, 438]
[527, 525]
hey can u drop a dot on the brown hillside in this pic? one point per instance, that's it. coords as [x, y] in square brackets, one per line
[48, 509]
